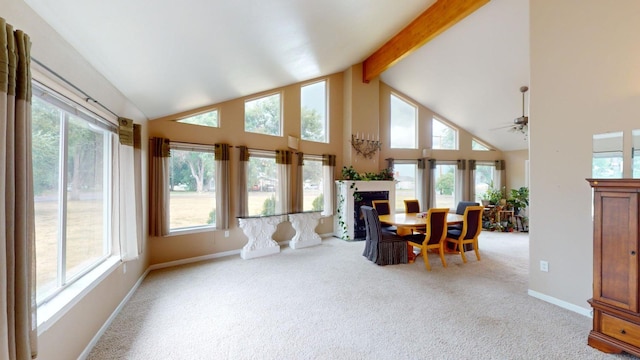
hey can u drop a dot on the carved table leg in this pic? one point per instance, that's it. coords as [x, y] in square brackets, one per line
[304, 224]
[259, 231]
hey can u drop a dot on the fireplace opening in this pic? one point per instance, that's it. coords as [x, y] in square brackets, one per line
[361, 198]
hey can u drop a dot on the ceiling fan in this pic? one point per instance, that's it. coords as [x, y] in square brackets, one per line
[520, 124]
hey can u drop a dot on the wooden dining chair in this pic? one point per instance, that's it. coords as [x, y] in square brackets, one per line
[383, 208]
[411, 206]
[471, 228]
[436, 232]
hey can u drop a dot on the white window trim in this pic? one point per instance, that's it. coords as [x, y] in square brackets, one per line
[455, 129]
[244, 110]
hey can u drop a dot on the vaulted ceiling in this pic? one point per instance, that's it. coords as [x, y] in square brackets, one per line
[168, 56]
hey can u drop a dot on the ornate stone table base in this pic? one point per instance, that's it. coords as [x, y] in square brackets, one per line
[259, 231]
[305, 225]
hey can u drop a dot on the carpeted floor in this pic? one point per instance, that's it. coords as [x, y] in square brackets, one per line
[329, 302]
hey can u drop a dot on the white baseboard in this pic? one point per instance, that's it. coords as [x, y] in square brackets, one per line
[563, 304]
[114, 314]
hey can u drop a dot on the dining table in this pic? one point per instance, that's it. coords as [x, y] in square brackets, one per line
[408, 223]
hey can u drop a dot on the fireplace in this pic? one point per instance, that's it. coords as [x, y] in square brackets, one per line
[361, 198]
[348, 222]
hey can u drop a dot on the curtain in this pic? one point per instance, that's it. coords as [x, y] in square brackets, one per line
[298, 205]
[390, 164]
[283, 163]
[500, 176]
[472, 180]
[328, 186]
[159, 187]
[18, 335]
[431, 186]
[460, 192]
[422, 183]
[126, 209]
[137, 168]
[242, 198]
[222, 156]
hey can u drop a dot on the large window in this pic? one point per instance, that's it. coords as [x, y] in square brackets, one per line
[313, 119]
[484, 178]
[312, 185]
[445, 183]
[263, 115]
[72, 174]
[444, 136]
[209, 118]
[262, 183]
[192, 199]
[405, 176]
[607, 155]
[404, 119]
[478, 146]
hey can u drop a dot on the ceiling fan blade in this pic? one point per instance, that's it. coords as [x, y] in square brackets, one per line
[502, 127]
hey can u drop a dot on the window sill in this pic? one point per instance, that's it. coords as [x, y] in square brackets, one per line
[193, 230]
[54, 309]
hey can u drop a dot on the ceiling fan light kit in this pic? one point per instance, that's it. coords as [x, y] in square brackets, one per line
[521, 124]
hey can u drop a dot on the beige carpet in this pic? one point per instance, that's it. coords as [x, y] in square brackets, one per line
[329, 302]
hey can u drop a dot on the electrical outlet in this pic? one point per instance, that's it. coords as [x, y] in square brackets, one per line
[226, 233]
[544, 265]
[124, 268]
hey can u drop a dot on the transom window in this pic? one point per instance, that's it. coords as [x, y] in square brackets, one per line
[209, 118]
[404, 120]
[263, 115]
[72, 175]
[192, 196]
[478, 146]
[313, 117]
[444, 136]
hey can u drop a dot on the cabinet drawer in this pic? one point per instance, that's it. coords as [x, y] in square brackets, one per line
[621, 329]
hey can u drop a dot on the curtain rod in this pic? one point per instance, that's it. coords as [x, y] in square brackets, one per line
[88, 97]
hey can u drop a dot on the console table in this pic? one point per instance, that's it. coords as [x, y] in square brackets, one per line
[259, 230]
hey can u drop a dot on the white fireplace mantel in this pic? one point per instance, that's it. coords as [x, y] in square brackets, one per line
[345, 203]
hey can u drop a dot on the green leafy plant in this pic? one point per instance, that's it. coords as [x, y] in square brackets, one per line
[349, 173]
[494, 195]
[519, 198]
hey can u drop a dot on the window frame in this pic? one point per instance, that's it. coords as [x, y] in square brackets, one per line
[399, 200]
[194, 228]
[68, 107]
[193, 115]
[326, 110]
[415, 130]
[456, 135]
[314, 158]
[280, 115]
[263, 154]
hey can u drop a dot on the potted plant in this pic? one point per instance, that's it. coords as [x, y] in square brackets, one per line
[519, 199]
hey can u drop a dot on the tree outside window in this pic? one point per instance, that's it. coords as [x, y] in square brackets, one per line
[444, 137]
[313, 117]
[263, 115]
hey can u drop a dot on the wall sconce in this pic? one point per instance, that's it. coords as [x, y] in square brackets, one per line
[365, 147]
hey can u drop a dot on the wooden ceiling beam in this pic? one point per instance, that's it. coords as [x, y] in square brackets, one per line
[432, 22]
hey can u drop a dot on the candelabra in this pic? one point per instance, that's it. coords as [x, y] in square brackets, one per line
[365, 147]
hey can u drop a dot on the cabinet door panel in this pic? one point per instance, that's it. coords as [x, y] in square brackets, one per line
[615, 249]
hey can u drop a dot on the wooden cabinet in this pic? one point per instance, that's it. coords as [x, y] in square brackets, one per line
[616, 237]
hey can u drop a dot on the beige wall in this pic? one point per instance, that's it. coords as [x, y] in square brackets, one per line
[231, 131]
[585, 79]
[71, 334]
[516, 164]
